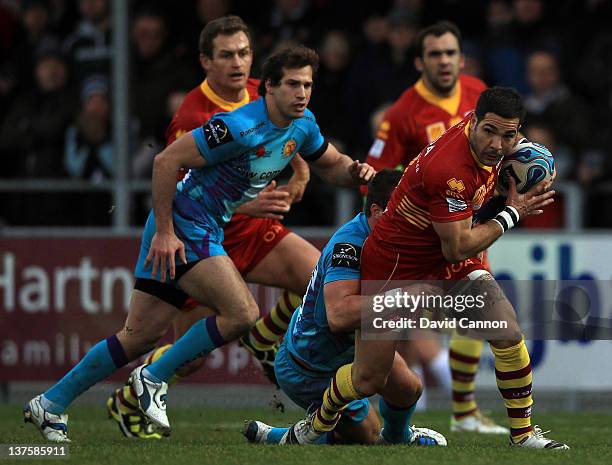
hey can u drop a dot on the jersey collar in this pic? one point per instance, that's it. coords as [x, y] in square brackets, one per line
[467, 135]
[448, 104]
[219, 101]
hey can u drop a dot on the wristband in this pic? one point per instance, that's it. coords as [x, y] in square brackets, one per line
[508, 218]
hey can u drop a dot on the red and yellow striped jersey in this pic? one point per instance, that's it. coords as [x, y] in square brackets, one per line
[446, 182]
[418, 118]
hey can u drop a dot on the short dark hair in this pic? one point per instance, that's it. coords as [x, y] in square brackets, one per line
[380, 188]
[293, 57]
[438, 29]
[225, 25]
[503, 101]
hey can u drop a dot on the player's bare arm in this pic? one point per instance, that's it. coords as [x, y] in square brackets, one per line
[182, 153]
[460, 240]
[343, 305]
[299, 180]
[271, 203]
[341, 170]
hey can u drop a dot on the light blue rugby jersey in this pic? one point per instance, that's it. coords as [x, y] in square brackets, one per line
[244, 151]
[308, 336]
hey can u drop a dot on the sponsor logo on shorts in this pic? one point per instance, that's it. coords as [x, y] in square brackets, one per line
[217, 133]
[289, 148]
[456, 205]
[346, 255]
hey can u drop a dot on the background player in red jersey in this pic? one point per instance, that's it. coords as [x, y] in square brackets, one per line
[438, 100]
[426, 232]
[262, 249]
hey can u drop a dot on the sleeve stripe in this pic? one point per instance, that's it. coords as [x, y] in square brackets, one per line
[318, 153]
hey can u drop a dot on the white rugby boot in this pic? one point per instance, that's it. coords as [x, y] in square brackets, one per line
[151, 397]
[302, 432]
[537, 441]
[477, 423]
[52, 427]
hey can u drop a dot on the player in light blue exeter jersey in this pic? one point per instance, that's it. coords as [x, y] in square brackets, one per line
[321, 339]
[232, 157]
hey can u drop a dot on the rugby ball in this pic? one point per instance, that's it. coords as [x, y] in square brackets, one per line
[529, 164]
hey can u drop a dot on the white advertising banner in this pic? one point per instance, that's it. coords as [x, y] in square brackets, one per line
[571, 364]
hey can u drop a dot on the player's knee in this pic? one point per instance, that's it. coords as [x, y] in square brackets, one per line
[246, 319]
[368, 383]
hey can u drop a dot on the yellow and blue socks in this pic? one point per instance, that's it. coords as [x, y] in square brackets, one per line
[201, 339]
[269, 329]
[513, 374]
[101, 361]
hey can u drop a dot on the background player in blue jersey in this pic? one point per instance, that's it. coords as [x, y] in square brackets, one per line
[231, 158]
[321, 339]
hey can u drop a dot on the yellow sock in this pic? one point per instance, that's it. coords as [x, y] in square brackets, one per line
[336, 397]
[514, 378]
[271, 328]
[464, 357]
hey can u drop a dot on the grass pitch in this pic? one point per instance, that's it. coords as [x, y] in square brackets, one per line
[207, 436]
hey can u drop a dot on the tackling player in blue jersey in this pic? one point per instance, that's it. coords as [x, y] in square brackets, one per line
[321, 339]
[232, 157]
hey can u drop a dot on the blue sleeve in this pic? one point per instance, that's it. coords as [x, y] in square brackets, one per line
[215, 139]
[314, 145]
[344, 262]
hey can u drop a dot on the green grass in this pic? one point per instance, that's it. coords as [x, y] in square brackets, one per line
[212, 436]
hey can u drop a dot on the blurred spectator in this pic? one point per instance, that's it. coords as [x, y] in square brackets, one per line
[155, 73]
[326, 101]
[89, 152]
[551, 102]
[34, 32]
[380, 74]
[142, 161]
[509, 43]
[89, 149]
[287, 20]
[31, 137]
[89, 46]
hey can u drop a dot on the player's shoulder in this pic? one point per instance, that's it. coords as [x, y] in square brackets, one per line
[447, 154]
[344, 248]
[409, 98]
[307, 121]
[252, 88]
[244, 121]
[354, 231]
[472, 83]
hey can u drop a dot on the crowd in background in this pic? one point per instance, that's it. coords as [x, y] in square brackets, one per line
[55, 102]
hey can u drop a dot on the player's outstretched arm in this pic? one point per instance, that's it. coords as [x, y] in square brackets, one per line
[182, 153]
[460, 241]
[341, 170]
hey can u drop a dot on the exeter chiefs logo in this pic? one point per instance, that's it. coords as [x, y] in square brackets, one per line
[289, 148]
[346, 255]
